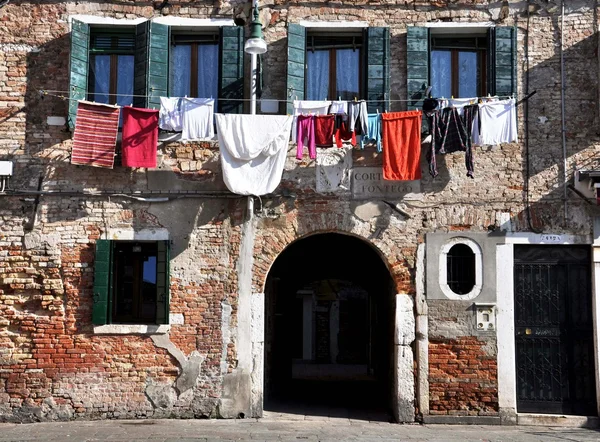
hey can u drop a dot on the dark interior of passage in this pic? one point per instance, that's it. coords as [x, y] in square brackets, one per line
[329, 326]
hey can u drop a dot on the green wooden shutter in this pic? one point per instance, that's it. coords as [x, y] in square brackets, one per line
[231, 70]
[102, 282]
[158, 64]
[80, 41]
[417, 65]
[296, 65]
[378, 69]
[140, 69]
[505, 61]
[162, 283]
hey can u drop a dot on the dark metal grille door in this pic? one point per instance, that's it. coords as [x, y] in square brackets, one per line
[554, 330]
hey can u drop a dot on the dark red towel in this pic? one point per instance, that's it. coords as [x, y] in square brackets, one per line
[324, 128]
[140, 137]
[95, 136]
[401, 145]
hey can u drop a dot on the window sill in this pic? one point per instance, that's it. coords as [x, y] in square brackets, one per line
[131, 329]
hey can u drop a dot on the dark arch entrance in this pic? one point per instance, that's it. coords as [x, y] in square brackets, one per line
[329, 316]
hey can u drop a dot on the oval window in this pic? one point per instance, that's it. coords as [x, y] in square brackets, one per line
[460, 269]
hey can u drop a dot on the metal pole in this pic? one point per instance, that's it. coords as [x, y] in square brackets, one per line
[253, 73]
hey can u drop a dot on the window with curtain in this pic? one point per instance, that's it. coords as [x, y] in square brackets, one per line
[111, 69]
[194, 69]
[333, 67]
[458, 67]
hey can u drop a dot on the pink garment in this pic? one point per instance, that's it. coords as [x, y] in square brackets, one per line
[306, 128]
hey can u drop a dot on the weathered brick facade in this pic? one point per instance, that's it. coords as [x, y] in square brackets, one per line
[53, 365]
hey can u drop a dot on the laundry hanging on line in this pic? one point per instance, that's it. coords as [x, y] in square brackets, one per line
[253, 151]
[139, 137]
[95, 135]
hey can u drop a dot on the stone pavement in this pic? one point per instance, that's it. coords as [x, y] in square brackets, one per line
[277, 427]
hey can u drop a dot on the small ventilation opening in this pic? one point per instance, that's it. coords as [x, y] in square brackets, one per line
[461, 269]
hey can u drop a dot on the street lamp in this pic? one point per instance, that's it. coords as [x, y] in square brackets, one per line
[255, 45]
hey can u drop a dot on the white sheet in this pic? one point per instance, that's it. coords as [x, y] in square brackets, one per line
[253, 151]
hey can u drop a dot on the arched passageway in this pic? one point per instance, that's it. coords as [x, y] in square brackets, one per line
[329, 311]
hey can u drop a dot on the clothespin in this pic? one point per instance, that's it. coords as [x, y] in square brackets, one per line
[355, 100]
[452, 97]
[377, 110]
[296, 98]
[339, 98]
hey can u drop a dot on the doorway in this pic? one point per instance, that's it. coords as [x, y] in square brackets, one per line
[554, 330]
[329, 310]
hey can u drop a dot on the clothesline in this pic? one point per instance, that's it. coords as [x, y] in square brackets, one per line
[53, 93]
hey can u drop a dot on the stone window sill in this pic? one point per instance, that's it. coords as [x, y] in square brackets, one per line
[126, 329]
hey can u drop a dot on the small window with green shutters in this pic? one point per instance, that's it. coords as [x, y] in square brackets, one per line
[131, 282]
[460, 62]
[345, 63]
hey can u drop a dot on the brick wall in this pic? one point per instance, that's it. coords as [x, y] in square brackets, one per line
[51, 364]
[462, 378]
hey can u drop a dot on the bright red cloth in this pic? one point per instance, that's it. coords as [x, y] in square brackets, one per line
[401, 145]
[140, 137]
[324, 128]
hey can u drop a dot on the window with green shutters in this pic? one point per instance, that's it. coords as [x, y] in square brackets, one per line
[347, 64]
[461, 65]
[131, 282]
[132, 65]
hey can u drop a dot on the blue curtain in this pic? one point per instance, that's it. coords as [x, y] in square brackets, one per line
[181, 70]
[101, 76]
[317, 75]
[441, 74]
[467, 74]
[208, 71]
[125, 80]
[347, 69]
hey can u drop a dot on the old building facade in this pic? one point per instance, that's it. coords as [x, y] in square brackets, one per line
[337, 284]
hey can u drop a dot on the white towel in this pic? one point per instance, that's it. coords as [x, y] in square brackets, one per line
[253, 151]
[498, 122]
[197, 118]
[338, 107]
[169, 117]
[308, 107]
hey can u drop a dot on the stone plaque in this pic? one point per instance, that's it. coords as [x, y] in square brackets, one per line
[368, 183]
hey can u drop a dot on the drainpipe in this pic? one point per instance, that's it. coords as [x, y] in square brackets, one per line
[562, 109]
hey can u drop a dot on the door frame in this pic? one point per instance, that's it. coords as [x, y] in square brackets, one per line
[507, 370]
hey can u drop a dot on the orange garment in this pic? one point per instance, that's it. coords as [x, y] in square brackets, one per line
[401, 145]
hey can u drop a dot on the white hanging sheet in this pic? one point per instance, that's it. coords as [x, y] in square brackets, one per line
[253, 151]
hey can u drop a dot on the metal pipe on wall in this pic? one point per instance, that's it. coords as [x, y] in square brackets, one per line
[562, 109]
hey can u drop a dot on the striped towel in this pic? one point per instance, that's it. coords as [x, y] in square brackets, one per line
[95, 135]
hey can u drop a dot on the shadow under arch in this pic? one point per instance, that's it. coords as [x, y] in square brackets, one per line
[329, 321]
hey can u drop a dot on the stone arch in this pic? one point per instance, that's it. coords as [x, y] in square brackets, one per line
[271, 242]
[274, 246]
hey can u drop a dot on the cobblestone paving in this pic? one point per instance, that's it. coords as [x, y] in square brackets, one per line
[285, 428]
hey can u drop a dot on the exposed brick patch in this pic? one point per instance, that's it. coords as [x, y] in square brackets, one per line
[463, 378]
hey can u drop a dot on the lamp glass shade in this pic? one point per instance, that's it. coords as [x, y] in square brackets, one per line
[255, 46]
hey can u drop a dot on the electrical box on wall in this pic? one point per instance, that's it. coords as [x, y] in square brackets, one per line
[587, 183]
[6, 168]
[486, 317]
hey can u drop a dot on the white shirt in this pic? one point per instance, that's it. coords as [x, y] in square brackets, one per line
[197, 118]
[498, 122]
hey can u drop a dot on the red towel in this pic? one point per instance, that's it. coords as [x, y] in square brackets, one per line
[95, 135]
[140, 137]
[401, 145]
[324, 127]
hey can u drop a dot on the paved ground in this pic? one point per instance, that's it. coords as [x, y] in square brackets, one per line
[276, 427]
